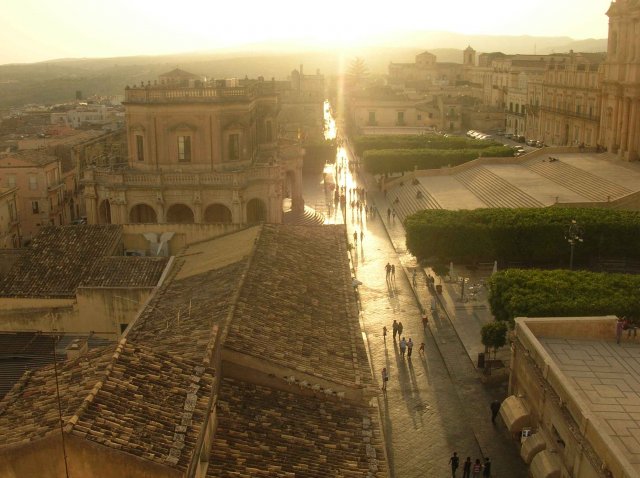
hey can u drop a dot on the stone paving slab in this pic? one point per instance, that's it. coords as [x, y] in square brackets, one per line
[612, 389]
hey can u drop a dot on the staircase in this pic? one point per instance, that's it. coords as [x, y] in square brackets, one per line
[577, 180]
[309, 217]
[495, 191]
[405, 201]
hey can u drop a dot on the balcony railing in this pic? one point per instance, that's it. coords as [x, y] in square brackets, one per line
[159, 179]
[573, 114]
[155, 94]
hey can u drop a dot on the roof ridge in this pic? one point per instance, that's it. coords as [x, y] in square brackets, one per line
[86, 402]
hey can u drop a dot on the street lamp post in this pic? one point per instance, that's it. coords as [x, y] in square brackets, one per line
[573, 236]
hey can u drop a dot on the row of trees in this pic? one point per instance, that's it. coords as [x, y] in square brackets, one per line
[562, 293]
[529, 236]
[418, 141]
[380, 161]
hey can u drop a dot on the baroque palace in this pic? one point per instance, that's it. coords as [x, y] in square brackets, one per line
[200, 151]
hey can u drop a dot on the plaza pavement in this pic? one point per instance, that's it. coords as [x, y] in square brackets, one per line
[434, 404]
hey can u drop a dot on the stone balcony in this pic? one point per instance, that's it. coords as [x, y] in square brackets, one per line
[159, 179]
[205, 93]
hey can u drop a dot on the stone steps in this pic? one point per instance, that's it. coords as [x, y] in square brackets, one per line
[495, 191]
[408, 202]
[577, 180]
[310, 217]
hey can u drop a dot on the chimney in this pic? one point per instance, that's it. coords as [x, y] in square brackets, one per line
[77, 348]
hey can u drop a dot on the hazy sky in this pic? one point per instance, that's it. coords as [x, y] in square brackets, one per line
[35, 30]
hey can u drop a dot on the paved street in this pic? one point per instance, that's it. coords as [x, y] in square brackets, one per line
[434, 404]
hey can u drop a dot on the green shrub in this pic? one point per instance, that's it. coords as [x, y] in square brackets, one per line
[534, 236]
[380, 161]
[562, 293]
[422, 141]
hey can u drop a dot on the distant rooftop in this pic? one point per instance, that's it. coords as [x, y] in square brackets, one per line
[58, 260]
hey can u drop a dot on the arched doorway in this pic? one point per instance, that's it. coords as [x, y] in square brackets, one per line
[256, 211]
[180, 214]
[104, 212]
[217, 213]
[143, 214]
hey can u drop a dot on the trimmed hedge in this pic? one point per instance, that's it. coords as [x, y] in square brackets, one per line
[529, 236]
[397, 160]
[562, 293]
[421, 141]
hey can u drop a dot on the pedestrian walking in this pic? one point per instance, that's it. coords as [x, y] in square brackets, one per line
[466, 468]
[384, 333]
[476, 469]
[361, 236]
[495, 408]
[385, 379]
[421, 350]
[400, 327]
[409, 347]
[393, 271]
[403, 347]
[388, 214]
[619, 327]
[454, 461]
[395, 329]
[486, 471]
[355, 237]
[393, 215]
[388, 270]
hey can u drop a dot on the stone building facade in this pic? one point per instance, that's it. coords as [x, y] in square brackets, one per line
[9, 221]
[571, 99]
[199, 152]
[571, 405]
[620, 119]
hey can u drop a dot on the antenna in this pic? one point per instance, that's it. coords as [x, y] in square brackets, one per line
[55, 371]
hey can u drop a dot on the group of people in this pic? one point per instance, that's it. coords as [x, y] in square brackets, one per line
[470, 469]
[628, 324]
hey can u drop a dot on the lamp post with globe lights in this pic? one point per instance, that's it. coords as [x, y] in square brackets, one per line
[573, 235]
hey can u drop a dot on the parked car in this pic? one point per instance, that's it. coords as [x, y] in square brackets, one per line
[539, 144]
[519, 149]
[519, 139]
[531, 142]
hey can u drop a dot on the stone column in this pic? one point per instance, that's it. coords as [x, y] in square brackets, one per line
[615, 134]
[197, 208]
[624, 127]
[236, 208]
[632, 144]
[90, 201]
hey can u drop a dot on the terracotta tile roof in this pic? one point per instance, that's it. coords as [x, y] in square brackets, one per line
[297, 306]
[30, 411]
[182, 318]
[126, 397]
[36, 157]
[271, 433]
[125, 272]
[22, 351]
[58, 259]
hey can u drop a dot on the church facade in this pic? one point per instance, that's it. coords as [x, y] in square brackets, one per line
[200, 151]
[620, 120]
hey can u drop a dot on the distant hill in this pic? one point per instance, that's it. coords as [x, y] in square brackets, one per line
[57, 80]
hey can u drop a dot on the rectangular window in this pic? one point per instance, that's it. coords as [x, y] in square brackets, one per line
[184, 148]
[419, 117]
[35, 207]
[139, 147]
[11, 181]
[33, 183]
[234, 147]
[400, 116]
[372, 117]
[269, 132]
